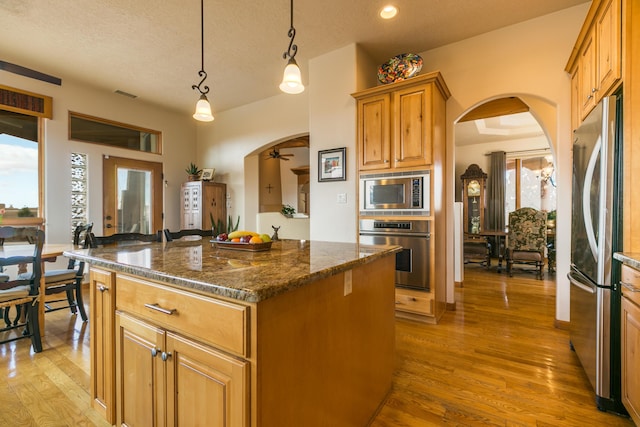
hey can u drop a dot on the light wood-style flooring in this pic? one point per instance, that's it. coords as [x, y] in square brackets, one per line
[497, 360]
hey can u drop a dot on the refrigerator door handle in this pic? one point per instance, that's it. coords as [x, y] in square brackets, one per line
[580, 285]
[586, 198]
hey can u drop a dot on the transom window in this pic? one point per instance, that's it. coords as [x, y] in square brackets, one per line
[101, 131]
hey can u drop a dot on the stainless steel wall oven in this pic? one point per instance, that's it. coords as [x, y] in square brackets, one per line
[412, 263]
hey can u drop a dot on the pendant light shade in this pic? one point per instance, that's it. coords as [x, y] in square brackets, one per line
[291, 80]
[203, 108]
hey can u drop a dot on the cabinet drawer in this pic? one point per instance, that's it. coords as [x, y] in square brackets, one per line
[414, 301]
[220, 323]
[630, 278]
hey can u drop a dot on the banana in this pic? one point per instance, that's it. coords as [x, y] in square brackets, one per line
[240, 233]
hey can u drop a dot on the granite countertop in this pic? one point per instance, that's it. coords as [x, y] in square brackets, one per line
[632, 259]
[248, 276]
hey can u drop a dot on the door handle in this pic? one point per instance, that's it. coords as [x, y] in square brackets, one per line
[108, 226]
[108, 217]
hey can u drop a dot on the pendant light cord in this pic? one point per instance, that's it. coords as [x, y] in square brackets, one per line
[293, 49]
[203, 73]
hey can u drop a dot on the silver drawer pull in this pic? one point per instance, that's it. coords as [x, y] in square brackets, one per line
[102, 288]
[629, 286]
[160, 309]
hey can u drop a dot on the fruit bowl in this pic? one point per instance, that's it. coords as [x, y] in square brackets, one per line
[238, 246]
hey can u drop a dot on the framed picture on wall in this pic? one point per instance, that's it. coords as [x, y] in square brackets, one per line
[331, 165]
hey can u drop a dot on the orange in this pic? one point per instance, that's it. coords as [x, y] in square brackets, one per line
[237, 239]
[255, 239]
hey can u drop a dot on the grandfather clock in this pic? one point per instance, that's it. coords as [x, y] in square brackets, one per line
[473, 199]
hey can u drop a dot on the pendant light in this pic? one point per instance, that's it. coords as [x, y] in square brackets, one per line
[203, 108]
[291, 81]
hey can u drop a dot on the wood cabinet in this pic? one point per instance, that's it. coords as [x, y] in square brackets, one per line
[397, 123]
[596, 59]
[630, 341]
[102, 303]
[401, 127]
[164, 377]
[181, 357]
[199, 200]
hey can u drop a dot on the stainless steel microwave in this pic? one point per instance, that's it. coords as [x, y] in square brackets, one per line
[407, 194]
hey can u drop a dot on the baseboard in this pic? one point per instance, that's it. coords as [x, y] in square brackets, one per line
[451, 306]
[458, 284]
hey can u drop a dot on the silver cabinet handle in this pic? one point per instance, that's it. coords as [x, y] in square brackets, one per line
[154, 352]
[629, 286]
[102, 288]
[156, 307]
[165, 356]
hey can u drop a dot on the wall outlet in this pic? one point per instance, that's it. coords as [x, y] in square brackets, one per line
[342, 197]
[348, 284]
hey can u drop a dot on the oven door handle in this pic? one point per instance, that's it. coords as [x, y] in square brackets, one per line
[382, 234]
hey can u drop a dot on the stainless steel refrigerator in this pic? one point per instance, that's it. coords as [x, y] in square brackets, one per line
[595, 235]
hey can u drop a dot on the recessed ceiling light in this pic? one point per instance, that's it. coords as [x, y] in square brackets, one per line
[388, 12]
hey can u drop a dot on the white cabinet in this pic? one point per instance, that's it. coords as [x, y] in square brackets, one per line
[201, 200]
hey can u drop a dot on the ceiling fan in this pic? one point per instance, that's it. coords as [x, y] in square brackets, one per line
[275, 154]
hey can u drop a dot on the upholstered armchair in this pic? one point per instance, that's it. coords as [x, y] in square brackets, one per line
[527, 239]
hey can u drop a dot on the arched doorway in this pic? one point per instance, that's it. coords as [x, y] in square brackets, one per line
[509, 128]
[284, 175]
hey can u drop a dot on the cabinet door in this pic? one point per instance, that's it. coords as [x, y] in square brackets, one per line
[191, 205]
[374, 141]
[412, 127]
[575, 98]
[609, 46]
[588, 75]
[631, 358]
[204, 387]
[140, 374]
[214, 201]
[102, 322]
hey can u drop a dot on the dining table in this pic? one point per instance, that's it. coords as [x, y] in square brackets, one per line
[50, 251]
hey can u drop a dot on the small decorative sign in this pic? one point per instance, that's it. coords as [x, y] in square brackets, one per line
[331, 165]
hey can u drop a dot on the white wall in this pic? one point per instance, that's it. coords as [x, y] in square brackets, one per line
[526, 60]
[178, 139]
[332, 124]
[231, 144]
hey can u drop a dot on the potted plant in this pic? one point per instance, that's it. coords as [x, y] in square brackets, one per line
[193, 172]
[288, 211]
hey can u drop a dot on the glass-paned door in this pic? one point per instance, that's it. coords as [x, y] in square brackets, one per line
[132, 196]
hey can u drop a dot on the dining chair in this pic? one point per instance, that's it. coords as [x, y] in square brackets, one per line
[120, 238]
[69, 280]
[174, 235]
[527, 239]
[20, 290]
[477, 249]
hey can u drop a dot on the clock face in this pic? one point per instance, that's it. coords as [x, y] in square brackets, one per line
[473, 189]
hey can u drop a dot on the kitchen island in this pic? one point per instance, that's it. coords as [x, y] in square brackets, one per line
[186, 333]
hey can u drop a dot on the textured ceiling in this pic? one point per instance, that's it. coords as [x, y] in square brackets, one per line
[152, 48]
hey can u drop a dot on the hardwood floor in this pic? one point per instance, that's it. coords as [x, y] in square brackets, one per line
[496, 360]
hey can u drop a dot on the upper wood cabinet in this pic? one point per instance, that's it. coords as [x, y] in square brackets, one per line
[398, 123]
[595, 62]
